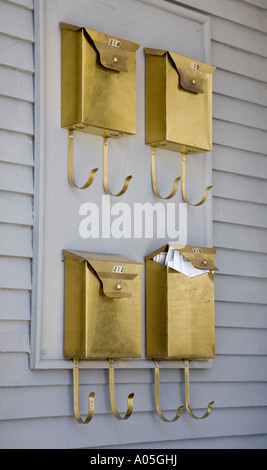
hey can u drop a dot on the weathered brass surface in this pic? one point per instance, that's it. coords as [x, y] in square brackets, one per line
[184, 192]
[71, 166]
[178, 102]
[157, 398]
[180, 320]
[76, 398]
[105, 172]
[154, 178]
[98, 82]
[102, 321]
[187, 396]
[112, 396]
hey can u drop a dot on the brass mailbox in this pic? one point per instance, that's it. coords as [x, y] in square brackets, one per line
[178, 109]
[98, 89]
[102, 306]
[102, 317]
[98, 82]
[180, 312]
[179, 308]
[178, 102]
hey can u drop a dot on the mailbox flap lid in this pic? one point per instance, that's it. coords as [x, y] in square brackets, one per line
[201, 258]
[113, 52]
[192, 73]
[114, 271]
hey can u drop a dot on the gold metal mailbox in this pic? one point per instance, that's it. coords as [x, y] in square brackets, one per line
[98, 82]
[178, 102]
[102, 306]
[180, 309]
[178, 111]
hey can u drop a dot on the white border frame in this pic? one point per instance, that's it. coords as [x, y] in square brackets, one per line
[36, 360]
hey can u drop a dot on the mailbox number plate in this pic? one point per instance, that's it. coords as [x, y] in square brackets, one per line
[118, 269]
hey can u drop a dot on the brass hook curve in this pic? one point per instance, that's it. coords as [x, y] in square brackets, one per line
[105, 172]
[112, 395]
[187, 396]
[157, 396]
[154, 178]
[184, 194]
[70, 165]
[76, 396]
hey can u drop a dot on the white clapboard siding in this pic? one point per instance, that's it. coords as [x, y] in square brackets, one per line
[16, 54]
[16, 84]
[144, 427]
[21, 26]
[36, 408]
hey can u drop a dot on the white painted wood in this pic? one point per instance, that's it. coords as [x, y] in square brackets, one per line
[15, 305]
[236, 11]
[239, 62]
[14, 336]
[240, 137]
[241, 188]
[238, 36]
[16, 148]
[239, 237]
[16, 209]
[258, 3]
[15, 273]
[242, 263]
[15, 84]
[22, 3]
[15, 241]
[36, 406]
[16, 178]
[240, 289]
[233, 442]
[230, 314]
[58, 231]
[236, 341]
[16, 54]
[248, 420]
[238, 161]
[48, 402]
[21, 25]
[240, 87]
[18, 374]
[239, 212]
[18, 116]
[239, 112]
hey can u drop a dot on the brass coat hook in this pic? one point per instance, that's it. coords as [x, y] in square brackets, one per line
[154, 177]
[184, 194]
[70, 165]
[76, 396]
[187, 396]
[157, 396]
[112, 395]
[105, 172]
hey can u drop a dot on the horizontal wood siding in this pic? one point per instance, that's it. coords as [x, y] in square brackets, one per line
[36, 409]
[16, 186]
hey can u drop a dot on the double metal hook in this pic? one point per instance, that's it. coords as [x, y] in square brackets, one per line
[94, 171]
[176, 182]
[187, 396]
[91, 401]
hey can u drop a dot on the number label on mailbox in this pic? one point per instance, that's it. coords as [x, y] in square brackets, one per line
[118, 269]
[197, 250]
[114, 42]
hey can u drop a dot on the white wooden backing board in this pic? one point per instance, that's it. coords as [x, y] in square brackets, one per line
[154, 24]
